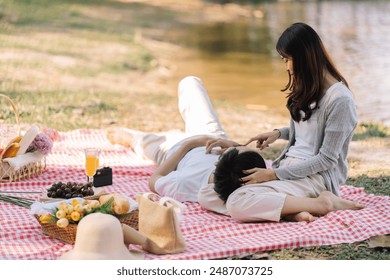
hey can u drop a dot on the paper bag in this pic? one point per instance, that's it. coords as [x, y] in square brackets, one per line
[159, 222]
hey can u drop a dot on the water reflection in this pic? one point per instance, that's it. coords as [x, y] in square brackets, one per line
[219, 38]
[238, 62]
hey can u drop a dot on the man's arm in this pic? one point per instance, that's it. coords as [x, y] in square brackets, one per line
[171, 163]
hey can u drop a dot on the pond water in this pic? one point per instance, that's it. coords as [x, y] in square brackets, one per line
[238, 62]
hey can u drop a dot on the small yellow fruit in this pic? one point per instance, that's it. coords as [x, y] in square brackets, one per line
[78, 208]
[69, 208]
[75, 216]
[87, 208]
[75, 202]
[62, 223]
[60, 214]
[46, 219]
[94, 203]
[63, 206]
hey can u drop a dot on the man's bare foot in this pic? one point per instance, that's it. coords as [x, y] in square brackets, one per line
[126, 137]
[118, 135]
[301, 217]
[331, 202]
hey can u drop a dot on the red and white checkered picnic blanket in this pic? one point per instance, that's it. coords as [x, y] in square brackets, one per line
[207, 235]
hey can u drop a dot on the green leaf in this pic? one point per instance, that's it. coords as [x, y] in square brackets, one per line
[105, 208]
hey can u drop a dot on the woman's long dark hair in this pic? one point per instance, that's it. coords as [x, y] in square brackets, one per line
[311, 61]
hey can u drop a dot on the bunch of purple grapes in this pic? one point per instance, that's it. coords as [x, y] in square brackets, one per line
[70, 190]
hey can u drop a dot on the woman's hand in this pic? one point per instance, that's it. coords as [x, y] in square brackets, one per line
[258, 175]
[264, 139]
[219, 142]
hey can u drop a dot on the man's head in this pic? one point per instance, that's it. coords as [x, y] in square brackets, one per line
[229, 169]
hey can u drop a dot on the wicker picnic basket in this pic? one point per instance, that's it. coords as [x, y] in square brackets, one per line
[68, 234]
[7, 172]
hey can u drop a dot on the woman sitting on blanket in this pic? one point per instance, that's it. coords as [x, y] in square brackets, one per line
[314, 163]
[186, 163]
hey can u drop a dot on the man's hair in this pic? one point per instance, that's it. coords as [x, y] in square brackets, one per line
[229, 170]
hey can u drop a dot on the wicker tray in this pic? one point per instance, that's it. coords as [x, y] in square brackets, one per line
[9, 174]
[68, 234]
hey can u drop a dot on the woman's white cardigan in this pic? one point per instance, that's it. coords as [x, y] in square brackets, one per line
[337, 120]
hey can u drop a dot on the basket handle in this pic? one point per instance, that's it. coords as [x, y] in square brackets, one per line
[14, 108]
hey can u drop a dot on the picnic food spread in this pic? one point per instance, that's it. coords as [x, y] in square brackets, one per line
[59, 218]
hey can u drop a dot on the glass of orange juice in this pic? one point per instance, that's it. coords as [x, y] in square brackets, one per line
[91, 162]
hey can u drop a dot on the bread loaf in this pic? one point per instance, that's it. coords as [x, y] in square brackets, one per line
[121, 204]
[11, 150]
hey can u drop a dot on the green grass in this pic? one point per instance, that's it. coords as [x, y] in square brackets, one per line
[76, 38]
[378, 185]
[355, 251]
[367, 130]
[70, 64]
[101, 16]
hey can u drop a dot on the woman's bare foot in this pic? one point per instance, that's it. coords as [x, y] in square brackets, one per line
[301, 217]
[330, 202]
